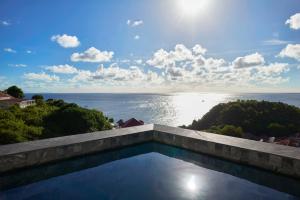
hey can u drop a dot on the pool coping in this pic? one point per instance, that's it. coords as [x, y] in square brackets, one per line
[277, 158]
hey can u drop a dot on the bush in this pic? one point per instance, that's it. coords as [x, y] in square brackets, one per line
[228, 130]
[16, 131]
[277, 129]
[37, 97]
[72, 119]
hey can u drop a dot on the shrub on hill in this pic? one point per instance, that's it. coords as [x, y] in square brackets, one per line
[48, 119]
[256, 117]
[72, 119]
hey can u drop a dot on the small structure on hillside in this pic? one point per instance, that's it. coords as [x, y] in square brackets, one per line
[6, 101]
[129, 123]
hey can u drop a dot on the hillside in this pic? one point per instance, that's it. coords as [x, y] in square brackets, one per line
[51, 118]
[250, 116]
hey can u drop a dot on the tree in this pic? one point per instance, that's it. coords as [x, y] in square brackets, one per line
[72, 119]
[37, 97]
[15, 92]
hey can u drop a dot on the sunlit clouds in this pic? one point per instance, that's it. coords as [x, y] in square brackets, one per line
[92, 55]
[294, 21]
[41, 77]
[180, 67]
[291, 51]
[66, 41]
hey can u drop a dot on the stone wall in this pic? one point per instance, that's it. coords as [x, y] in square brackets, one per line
[276, 158]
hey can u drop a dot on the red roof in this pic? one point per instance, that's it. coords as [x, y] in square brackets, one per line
[4, 95]
[283, 142]
[132, 122]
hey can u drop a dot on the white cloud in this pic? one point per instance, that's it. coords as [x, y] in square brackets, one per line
[162, 58]
[62, 69]
[291, 51]
[92, 55]
[82, 76]
[10, 50]
[137, 37]
[115, 75]
[183, 67]
[274, 42]
[178, 68]
[5, 23]
[139, 61]
[249, 61]
[198, 49]
[134, 23]
[41, 77]
[294, 21]
[17, 65]
[28, 51]
[66, 41]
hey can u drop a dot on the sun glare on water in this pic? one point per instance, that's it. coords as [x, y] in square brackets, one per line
[192, 8]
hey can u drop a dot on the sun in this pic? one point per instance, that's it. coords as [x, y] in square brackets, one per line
[192, 8]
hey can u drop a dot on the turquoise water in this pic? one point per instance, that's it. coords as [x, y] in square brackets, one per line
[167, 109]
[147, 171]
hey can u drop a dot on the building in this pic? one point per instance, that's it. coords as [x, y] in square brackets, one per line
[129, 123]
[7, 101]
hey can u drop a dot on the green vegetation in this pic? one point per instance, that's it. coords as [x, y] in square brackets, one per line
[15, 92]
[48, 119]
[250, 116]
[228, 130]
[37, 97]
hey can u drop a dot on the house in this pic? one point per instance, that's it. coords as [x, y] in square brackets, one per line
[120, 122]
[129, 123]
[6, 101]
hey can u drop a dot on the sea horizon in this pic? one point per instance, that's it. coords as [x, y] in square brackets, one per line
[173, 109]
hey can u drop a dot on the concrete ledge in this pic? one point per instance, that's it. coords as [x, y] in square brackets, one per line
[276, 158]
[32, 153]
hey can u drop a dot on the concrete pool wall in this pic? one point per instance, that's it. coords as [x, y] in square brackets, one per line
[277, 158]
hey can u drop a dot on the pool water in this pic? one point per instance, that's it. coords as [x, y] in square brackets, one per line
[147, 171]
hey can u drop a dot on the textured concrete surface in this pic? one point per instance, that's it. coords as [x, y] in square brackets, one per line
[273, 157]
[277, 158]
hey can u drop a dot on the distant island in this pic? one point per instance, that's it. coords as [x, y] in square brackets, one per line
[251, 119]
[45, 118]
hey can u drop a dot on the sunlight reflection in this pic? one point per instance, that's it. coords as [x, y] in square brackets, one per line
[191, 184]
[190, 106]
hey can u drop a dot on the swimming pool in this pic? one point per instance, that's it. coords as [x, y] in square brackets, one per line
[146, 171]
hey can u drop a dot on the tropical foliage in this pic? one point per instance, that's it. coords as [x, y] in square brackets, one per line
[48, 119]
[255, 117]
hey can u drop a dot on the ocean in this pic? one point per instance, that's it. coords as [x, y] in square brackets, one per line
[173, 109]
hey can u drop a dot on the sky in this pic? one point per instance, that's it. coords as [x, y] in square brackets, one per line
[150, 45]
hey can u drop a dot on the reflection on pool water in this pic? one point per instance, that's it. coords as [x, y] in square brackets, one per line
[147, 171]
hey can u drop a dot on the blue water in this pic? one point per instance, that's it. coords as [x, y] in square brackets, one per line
[167, 109]
[148, 171]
